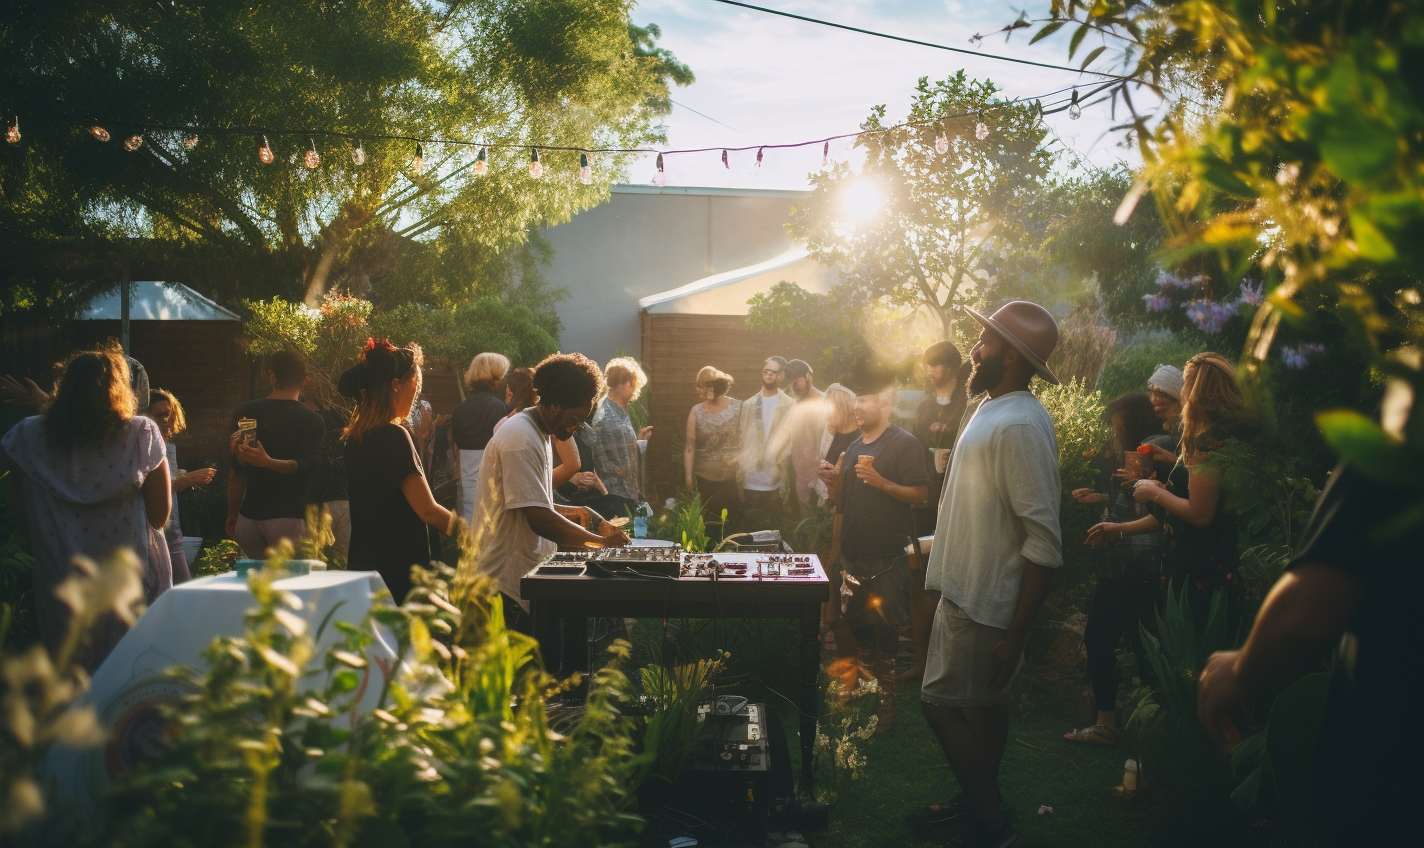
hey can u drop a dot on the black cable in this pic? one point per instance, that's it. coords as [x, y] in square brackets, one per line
[917, 42]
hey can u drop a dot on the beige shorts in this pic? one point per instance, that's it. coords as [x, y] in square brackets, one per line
[959, 661]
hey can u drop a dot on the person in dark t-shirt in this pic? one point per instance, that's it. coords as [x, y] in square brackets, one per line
[875, 483]
[391, 501]
[1352, 585]
[273, 465]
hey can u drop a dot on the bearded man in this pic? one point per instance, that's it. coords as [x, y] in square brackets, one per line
[997, 542]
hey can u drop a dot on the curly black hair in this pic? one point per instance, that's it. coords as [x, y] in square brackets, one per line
[568, 380]
[1138, 419]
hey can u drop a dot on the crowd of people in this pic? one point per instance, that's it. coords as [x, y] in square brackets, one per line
[949, 529]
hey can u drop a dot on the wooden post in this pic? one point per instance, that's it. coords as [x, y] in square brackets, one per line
[124, 311]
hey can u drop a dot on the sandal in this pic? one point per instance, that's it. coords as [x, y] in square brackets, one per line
[1097, 735]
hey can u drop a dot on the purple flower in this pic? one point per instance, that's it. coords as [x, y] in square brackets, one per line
[1298, 357]
[1157, 302]
[1208, 315]
[1252, 295]
[1171, 281]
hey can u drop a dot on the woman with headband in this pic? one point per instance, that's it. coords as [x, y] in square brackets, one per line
[391, 502]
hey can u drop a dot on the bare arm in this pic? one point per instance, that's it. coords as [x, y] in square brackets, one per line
[1033, 591]
[417, 493]
[689, 453]
[1306, 611]
[556, 528]
[569, 461]
[156, 496]
[1109, 531]
[1198, 508]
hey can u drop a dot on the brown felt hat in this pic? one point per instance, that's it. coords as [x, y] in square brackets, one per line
[1029, 328]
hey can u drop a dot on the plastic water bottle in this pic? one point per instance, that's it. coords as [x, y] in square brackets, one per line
[640, 521]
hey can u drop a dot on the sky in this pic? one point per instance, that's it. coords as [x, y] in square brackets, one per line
[764, 79]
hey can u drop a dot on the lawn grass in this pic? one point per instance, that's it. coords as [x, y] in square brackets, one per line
[906, 771]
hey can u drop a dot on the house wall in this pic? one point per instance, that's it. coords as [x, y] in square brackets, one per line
[674, 349]
[647, 240]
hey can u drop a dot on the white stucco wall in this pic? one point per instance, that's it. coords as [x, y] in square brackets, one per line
[647, 240]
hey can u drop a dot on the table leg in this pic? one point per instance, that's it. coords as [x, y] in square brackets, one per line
[546, 632]
[809, 668]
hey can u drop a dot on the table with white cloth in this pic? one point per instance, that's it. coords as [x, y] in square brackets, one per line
[130, 688]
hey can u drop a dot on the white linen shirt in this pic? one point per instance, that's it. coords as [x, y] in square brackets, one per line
[517, 471]
[998, 510]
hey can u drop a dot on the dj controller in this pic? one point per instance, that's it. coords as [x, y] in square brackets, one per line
[680, 565]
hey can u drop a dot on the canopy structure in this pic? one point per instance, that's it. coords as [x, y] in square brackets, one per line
[155, 300]
[727, 293]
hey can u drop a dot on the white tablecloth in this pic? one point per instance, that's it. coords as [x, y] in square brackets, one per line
[130, 686]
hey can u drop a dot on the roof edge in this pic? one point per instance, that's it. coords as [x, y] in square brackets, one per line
[735, 275]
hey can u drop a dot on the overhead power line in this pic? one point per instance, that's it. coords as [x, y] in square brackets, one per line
[917, 42]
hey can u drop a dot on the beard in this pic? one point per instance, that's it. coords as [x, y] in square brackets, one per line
[987, 374]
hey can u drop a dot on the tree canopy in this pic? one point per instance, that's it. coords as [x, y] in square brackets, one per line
[200, 86]
[940, 202]
[1306, 170]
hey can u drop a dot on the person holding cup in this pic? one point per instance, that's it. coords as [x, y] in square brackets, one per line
[1128, 575]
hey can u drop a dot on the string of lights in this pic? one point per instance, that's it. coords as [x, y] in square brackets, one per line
[132, 133]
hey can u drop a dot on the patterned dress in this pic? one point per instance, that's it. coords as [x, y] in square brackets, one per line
[719, 441]
[88, 501]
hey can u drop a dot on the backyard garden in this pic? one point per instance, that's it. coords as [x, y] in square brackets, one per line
[1273, 214]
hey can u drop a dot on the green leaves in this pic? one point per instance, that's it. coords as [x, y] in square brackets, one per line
[1364, 445]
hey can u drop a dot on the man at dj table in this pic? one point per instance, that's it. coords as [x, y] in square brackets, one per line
[516, 523]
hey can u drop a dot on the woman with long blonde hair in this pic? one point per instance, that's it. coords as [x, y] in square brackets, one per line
[391, 501]
[1190, 506]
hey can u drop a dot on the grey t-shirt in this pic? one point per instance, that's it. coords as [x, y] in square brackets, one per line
[517, 472]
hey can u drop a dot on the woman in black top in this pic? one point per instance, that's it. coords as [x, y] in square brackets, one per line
[391, 502]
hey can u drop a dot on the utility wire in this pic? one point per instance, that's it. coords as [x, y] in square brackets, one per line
[931, 44]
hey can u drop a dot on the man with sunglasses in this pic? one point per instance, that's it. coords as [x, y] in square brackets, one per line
[764, 469]
[515, 522]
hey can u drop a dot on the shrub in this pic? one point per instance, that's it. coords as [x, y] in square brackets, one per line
[1131, 363]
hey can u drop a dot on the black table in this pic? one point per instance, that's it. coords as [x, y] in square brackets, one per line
[555, 597]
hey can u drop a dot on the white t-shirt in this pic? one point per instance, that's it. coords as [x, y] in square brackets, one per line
[998, 510]
[517, 472]
[764, 481]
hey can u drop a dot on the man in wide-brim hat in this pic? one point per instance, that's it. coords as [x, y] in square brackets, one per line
[996, 544]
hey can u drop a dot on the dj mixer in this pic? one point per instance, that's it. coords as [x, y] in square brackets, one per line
[674, 563]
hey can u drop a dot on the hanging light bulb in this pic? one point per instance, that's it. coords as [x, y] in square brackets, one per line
[481, 163]
[1074, 110]
[941, 144]
[99, 132]
[190, 140]
[660, 178]
[264, 153]
[12, 132]
[417, 164]
[761, 151]
[725, 163]
[133, 142]
[313, 158]
[536, 168]
[981, 131]
[825, 154]
[358, 154]
[585, 172]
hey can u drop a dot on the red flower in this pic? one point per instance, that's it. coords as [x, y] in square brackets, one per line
[1201, 587]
